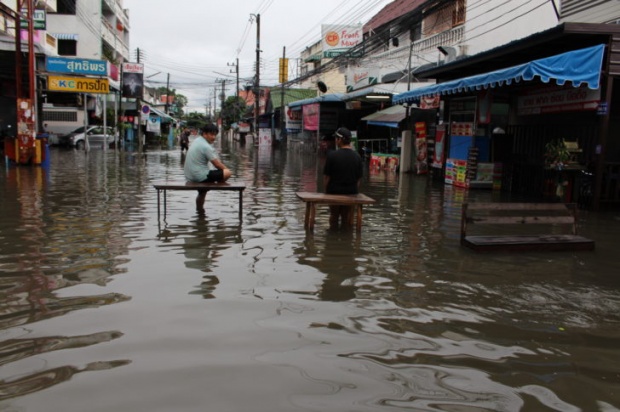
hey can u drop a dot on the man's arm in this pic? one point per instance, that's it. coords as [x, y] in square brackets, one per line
[217, 163]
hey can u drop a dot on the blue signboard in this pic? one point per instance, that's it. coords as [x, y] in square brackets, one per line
[76, 66]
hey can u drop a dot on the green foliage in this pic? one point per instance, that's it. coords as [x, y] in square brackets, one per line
[195, 119]
[556, 152]
[232, 112]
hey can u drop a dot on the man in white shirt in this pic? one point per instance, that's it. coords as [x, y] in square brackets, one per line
[202, 163]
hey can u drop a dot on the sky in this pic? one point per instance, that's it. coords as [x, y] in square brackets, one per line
[195, 44]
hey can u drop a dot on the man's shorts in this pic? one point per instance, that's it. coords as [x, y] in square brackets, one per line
[215, 176]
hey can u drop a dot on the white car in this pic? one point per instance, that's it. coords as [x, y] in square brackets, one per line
[96, 137]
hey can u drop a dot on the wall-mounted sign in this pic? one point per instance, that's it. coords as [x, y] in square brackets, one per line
[77, 84]
[555, 99]
[38, 19]
[76, 66]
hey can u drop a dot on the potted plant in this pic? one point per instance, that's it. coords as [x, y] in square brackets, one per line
[556, 154]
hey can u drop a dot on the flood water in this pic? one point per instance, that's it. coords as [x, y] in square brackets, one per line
[105, 307]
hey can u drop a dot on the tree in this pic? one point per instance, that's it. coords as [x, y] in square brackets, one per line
[195, 119]
[232, 112]
[178, 100]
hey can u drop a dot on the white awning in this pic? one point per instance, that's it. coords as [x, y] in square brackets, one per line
[65, 36]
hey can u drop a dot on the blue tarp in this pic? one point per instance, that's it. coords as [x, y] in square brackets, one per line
[577, 66]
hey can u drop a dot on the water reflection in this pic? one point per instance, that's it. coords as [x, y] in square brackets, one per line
[397, 317]
[202, 242]
[334, 254]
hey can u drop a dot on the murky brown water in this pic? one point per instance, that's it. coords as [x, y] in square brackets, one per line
[105, 308]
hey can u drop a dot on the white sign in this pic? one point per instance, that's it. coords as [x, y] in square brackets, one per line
[554, 99]
[133, 68]
[293, 120]
[338, 39]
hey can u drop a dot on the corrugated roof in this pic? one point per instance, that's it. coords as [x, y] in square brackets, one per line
[392, 11]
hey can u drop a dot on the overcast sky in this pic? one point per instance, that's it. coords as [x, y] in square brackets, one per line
[197, 42]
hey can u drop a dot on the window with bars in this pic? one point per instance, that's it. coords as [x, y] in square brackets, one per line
[59, 116]
[445, 18]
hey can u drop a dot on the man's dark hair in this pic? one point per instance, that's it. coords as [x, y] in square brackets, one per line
[209, 129]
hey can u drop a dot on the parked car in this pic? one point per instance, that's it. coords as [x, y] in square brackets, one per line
[96, 137]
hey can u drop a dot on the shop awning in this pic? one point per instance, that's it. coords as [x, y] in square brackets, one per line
[577, 66]
[333, 97]
[66, 36]
[389, 117]
[165, 117]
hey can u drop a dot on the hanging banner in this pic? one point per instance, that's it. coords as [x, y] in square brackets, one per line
[439, 146]
[154, 124]
[293, 120]
[311, 116]
[421, 152]
[133, 80]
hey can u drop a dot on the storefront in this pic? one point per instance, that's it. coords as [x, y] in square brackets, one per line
[497, 127]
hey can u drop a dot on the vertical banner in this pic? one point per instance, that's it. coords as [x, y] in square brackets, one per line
[421, 152]
[311, 116]
[153, 124]
[438, 153]
[25, 131]
[133, 80]
[293, 120]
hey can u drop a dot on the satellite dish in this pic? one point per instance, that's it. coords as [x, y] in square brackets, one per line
[322, 87]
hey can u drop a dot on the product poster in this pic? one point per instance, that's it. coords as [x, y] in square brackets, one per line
[421, 152]
[438, 153]
[154, 124]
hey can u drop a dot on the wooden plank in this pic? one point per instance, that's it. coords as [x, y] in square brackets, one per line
[198, 186]
[521, 220]
[518, 206]
[315, 197]
[533, 243]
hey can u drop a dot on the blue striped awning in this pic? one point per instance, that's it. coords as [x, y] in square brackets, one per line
[66, 36]
[581, 66]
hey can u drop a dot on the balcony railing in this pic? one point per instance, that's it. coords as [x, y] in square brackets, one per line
[445, 38]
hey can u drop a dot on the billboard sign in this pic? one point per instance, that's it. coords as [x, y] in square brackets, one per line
[77, 85]
[133, 80]
[339, 39]
[76, 66]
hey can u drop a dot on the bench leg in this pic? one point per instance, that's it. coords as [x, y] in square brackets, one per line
[310, 215]
[158, 205]
[164, 203]
[359, 218]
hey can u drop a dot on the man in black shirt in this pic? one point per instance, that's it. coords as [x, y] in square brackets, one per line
[342, 174]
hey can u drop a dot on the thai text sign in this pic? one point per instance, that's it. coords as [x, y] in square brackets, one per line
[554, 99]
[338, 39]
[76, 66]
[77, 84]
[38, 19]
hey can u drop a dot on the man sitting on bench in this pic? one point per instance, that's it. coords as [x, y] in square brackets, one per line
[342, 175]
[202, 163]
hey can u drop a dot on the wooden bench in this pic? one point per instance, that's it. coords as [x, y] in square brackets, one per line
[558, 220]
[226, 186]
[313, 198]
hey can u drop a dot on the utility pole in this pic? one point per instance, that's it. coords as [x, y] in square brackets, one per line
[167, 94]
[222, 98]
[139, 111]
[257, 82]
[283, 79]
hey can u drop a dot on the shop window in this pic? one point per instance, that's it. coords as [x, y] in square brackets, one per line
[66, 7]
[67, 47]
